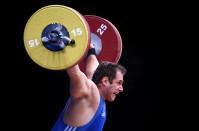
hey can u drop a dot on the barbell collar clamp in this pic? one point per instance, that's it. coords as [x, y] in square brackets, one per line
[70, 41]
[55, 37]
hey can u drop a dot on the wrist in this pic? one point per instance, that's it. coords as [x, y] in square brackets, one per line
[91, 51]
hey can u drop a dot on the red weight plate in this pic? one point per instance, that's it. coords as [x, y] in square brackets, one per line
[106, 39]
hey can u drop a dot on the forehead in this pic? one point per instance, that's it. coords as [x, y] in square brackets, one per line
[119, 75]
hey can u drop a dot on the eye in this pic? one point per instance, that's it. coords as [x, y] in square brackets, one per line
[120, 82]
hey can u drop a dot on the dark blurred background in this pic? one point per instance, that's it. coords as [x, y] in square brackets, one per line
[37, 95]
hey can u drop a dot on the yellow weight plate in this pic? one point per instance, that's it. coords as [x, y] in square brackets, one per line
[76, 26]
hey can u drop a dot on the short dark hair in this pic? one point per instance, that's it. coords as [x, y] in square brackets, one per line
[107, 69]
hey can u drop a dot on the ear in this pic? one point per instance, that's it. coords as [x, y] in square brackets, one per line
[105, 81]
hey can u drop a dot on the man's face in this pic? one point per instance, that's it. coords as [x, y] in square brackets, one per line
[115, 87]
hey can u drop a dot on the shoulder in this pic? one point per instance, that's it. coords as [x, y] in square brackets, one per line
[85, 89]
[92, 87]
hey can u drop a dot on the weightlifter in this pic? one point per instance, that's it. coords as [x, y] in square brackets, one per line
[86, 108]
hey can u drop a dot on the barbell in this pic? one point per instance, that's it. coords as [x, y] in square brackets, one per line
[57, 37]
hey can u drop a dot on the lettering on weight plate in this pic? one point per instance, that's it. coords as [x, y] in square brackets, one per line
[77, 32]
[33, 43]
[102, 29]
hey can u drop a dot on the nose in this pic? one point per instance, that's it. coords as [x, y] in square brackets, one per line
[121, 88]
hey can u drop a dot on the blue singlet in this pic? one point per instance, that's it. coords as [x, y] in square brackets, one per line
[95, 124]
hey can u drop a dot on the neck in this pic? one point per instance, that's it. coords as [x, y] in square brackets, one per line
[101, 92]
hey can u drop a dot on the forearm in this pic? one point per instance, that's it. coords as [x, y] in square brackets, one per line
[91, 65]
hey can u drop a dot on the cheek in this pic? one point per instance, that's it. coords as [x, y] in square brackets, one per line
[113, 86]
[110, 89]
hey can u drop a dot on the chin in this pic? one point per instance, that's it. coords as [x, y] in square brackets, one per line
[112, 99]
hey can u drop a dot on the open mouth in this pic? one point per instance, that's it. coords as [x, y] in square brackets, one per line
[115, 94]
